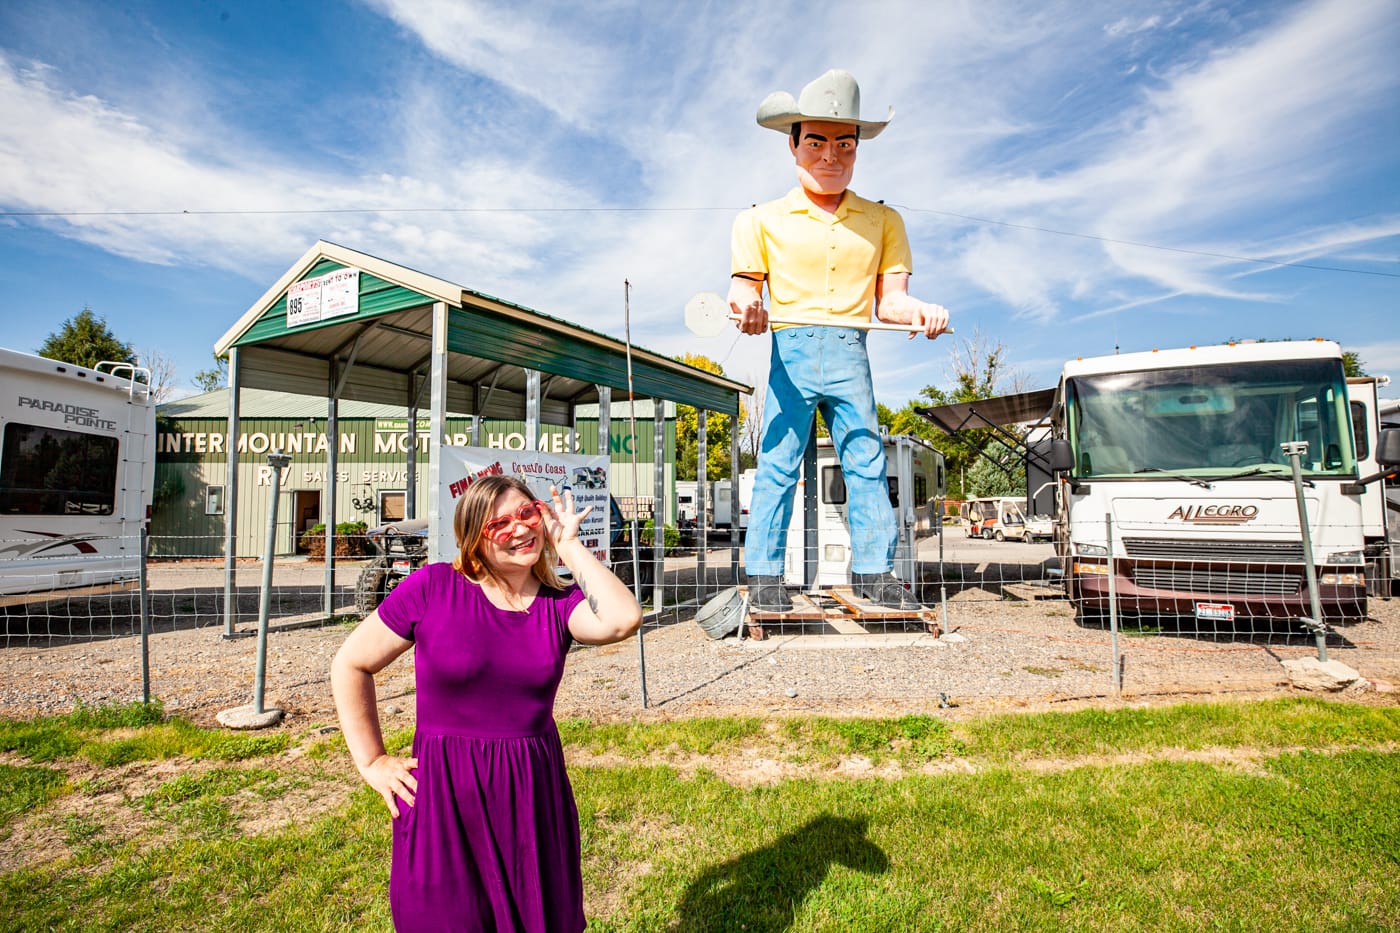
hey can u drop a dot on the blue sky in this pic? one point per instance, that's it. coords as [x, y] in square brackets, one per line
[1075, 176]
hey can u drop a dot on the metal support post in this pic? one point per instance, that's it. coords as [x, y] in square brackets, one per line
[232, 492]
[736, 526]
[279, 462]
[254, 715]
[1295, 450]
[1113, 605]
[145, 604]
[702, 503]
[809, 512]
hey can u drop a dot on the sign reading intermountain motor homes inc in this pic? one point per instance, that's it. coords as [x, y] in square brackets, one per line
[333, 295]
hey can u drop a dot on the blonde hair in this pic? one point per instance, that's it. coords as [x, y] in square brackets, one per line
[473, 511]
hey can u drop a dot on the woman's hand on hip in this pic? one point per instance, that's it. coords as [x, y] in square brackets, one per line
[393, 779]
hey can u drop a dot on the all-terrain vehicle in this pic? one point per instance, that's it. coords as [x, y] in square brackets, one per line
[402, 547]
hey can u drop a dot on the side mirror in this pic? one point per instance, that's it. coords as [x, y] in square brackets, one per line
[1388, 448]
[1062, 457]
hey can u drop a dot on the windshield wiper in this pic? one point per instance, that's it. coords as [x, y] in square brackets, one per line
[1194, 480]
[1258, 469]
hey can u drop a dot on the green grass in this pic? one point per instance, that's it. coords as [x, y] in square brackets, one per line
[693, 736]
[1086, 820]
[26, 788]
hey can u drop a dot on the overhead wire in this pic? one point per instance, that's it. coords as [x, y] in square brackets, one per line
[279, 212]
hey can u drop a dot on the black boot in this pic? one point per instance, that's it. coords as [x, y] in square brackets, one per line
[884, 590]
[766, 594]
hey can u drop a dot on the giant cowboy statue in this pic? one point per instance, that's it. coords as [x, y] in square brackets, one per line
[827, 256]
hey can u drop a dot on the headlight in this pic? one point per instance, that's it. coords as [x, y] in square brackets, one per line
[1345, 557]
[1091, 550]
[1084, 567]
[1342, 579]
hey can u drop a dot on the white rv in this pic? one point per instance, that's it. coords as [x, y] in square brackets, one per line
[1380, 517]
[1179, 453]
[914, 471]
[77, 463]
[719, 505]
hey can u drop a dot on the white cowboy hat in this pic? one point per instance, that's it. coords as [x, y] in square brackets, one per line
[834, 97]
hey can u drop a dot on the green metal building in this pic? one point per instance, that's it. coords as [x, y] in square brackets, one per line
[372, 483]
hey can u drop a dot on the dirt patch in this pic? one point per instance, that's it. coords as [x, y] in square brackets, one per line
[122, 808]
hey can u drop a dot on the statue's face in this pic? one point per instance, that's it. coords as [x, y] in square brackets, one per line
[826, 156]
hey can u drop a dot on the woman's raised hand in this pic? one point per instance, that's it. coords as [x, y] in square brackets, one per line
[564, 519]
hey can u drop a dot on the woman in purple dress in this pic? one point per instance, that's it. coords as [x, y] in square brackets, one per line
[485, 831]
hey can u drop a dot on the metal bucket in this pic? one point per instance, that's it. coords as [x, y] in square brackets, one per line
[723, 614]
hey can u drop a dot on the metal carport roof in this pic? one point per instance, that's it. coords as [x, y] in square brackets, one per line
[490, 343]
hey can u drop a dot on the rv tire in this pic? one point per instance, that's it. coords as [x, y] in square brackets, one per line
[369, 585]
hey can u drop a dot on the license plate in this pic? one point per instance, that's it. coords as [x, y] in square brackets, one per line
[401, 566]
[1220, 612]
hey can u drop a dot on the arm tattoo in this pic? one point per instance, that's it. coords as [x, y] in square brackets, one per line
[592, 600]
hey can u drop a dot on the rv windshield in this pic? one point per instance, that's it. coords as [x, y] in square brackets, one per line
[1212, 421]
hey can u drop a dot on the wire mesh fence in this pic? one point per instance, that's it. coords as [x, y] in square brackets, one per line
[1169, 606]
[41, 605]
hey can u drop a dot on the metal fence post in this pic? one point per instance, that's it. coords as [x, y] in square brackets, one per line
[1295, 451]
[145, 605]
[254, 716]
[279, 462]
[1113, 605]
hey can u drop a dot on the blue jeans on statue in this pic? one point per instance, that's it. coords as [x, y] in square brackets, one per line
[826, 369]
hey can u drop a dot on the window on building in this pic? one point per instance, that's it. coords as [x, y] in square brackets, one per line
[392, 505]
[50, 471]
[214, 500]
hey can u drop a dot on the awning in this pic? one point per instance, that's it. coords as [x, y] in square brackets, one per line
[1030, 408]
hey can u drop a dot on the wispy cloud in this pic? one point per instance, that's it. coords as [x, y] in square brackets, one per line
[1006, 110]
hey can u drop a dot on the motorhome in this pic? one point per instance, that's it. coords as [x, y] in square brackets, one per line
[915, 474]
[1175, 467]
[1370, 415]
[77, 463]
[719, 506]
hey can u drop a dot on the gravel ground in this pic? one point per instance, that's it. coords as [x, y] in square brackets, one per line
[997, 654]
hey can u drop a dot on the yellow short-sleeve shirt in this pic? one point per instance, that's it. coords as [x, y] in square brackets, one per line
[820, 266]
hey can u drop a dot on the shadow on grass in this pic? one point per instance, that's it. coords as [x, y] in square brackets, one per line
[759, 891]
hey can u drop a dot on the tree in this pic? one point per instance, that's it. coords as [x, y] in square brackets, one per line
[999, 471]
[1352, 365]
[978, 367]
[718, 430]
[216, 377]
[751, 434]
[162, 373]
[84, 340]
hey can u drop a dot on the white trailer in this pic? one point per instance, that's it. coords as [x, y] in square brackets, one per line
[718, 505]
[916, 477]
[1173, 466]
[77, 465]
[1380, 514]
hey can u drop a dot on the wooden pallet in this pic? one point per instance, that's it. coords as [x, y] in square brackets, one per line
[838, 609]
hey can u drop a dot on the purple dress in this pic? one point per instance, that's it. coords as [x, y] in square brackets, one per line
[492, 840]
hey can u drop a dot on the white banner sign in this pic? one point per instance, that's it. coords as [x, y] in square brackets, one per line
[586, 476]
[335, 294]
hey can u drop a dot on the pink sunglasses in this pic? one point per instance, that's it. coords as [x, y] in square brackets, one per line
[500, 529]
